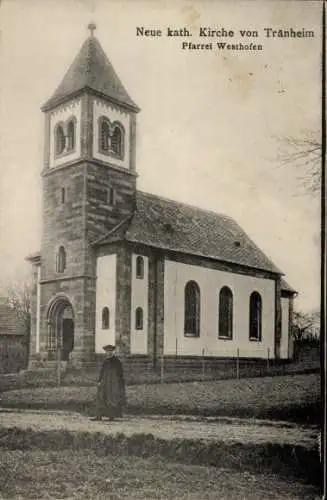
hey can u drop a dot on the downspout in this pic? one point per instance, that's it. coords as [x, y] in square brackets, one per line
[277, 316]
[290, 347]
[155, 302]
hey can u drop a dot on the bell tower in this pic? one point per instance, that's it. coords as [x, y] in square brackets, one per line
[89, 187]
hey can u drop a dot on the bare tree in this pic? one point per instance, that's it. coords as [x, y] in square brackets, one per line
[19, 299]
[304, 154]
[305, 325]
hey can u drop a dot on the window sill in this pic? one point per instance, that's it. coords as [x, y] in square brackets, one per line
[111, 154]
[65, 153]
[192, 335]
[254, 339]
[223, 337]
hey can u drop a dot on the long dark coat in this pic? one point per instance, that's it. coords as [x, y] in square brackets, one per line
[111, 396]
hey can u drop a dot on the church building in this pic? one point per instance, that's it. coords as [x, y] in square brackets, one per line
[116, 265]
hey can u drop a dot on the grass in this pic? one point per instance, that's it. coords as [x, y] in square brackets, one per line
[81, 465]
[291, 397]
[90, 474]
[285, 459]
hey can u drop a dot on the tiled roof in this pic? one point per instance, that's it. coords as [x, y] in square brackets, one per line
[91, 69]
[170, 225]
[10, 324]
[286, 287]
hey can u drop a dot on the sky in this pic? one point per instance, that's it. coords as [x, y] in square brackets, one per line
[211, 125]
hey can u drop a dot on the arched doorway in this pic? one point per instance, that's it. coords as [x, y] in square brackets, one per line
[60, 318]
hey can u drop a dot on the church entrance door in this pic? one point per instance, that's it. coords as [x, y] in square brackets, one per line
[60, 318]
[67, 334]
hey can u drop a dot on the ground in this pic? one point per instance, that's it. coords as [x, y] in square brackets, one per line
[292, 398]
[227, 430]
[86, 475]
[257, 440]
[57, 454]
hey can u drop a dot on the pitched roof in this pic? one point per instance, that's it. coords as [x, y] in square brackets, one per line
[170, 225]
[10, 324]
[34, 257]
[91, 69]
[285, 287]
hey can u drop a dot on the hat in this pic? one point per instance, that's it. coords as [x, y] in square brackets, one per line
[109, 347]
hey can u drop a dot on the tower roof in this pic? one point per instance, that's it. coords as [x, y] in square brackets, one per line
[91, 69]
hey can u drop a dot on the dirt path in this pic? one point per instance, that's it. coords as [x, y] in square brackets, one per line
[228, 430]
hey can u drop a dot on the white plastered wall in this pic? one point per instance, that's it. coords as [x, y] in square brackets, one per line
[210, 282]
[285, 341]
[140, 298]
[105, 297]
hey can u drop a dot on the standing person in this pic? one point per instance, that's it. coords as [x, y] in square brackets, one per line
[111, 397]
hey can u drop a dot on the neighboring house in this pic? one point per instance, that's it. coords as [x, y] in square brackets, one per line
[13, 340]
[117, 265]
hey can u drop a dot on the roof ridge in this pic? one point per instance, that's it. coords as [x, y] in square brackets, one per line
[216, 214]
[89, 54]
[188, 205]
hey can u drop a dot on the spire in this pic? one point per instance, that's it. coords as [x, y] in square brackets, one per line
[91, 69]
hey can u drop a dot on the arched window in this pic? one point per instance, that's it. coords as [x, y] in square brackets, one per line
[139, 267]
[255, 316]
[225, 326]
[104, 135]
[111, 196]
[61, 260]
[60, 140]
[105, 318]
[71, 135]
[139, 318]
[63, 195]
[192, 309]
[116, 141]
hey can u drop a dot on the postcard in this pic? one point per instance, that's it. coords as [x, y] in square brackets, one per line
[161, 248]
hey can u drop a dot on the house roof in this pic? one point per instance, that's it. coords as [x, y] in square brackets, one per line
[91, 69]
[34, 257]
[170, 225]
[10, 324]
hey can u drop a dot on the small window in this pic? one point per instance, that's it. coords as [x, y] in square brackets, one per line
[255, 316]
[225, 326]
[71, 135]
[111, 196]
[63, 195]
[139, 318]
[105, 318]
[139, 267]
[105, 135]
[116, 142]
[192, 310]
[60, 140]
[61, 260]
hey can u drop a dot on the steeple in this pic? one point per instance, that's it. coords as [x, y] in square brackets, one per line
[91, 69]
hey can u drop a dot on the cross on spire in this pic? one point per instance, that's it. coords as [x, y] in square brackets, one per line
[92, 27]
